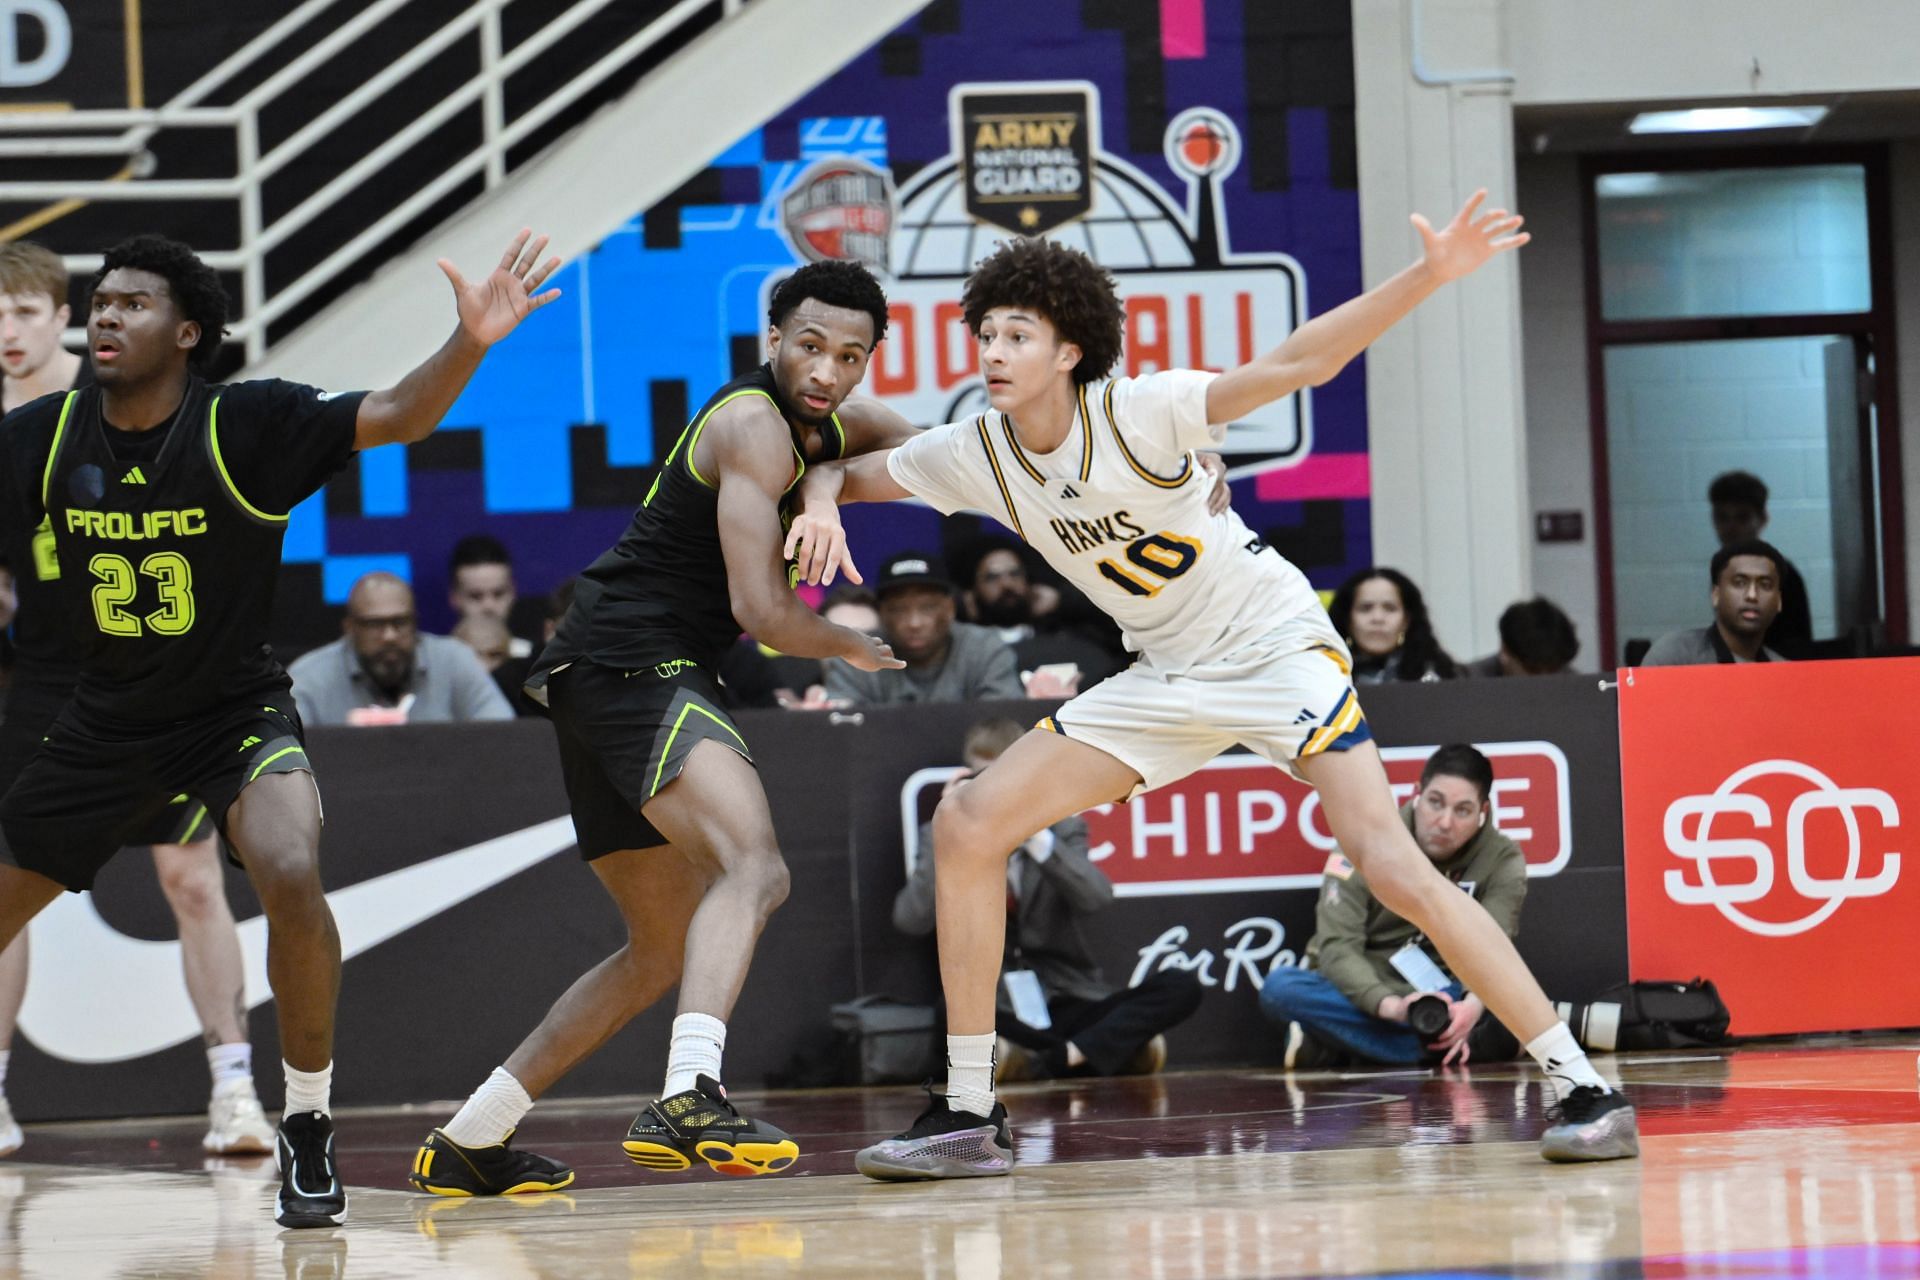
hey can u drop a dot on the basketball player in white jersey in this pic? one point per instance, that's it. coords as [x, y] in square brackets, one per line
[1099, 475]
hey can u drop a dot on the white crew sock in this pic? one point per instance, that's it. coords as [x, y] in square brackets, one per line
[698, 1041]
[308, 1090]
[1564, 1062]
[970, 1073]
[230, 1065]
[493, 1112]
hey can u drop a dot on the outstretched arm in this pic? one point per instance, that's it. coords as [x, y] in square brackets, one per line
[1322, 347]
[490, 309]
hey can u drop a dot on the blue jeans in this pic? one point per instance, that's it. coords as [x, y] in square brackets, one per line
[1308, 998]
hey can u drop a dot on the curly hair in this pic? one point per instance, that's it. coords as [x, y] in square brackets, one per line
[195, 286]
[837, 283]
[1064, 285]
[1420, 652]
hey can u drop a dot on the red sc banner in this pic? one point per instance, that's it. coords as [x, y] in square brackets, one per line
[1239, 824]
[1766, 810]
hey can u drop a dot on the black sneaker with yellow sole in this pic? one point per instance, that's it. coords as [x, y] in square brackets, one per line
[443, 1167]
[700, 1124]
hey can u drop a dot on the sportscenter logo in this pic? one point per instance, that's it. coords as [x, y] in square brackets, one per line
[1240, 824]
[1731, 872]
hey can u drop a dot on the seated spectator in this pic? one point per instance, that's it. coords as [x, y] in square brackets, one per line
[1056, 1015]
[1002, 597]
[384, 670]
[491, 642]
[1352, 1004]
[1745, 599]
[947, 661]
[1536, 639]
[1384, 620]
[1739, 502]
[480, 583]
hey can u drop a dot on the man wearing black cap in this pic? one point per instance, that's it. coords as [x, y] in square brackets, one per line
[947, 661]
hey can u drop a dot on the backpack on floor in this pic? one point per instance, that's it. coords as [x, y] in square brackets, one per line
[1667, 1015]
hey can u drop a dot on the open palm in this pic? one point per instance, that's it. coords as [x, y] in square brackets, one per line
[492, 308]
[1465, 244]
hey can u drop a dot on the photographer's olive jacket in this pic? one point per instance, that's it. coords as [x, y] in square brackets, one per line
[1354, 935]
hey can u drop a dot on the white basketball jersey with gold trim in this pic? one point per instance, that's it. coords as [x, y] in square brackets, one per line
[1120, 511]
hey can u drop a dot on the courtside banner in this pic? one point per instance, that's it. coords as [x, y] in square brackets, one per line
[1769, 817]
[1240, 824]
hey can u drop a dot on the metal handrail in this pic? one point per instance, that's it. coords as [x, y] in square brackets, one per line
[85, 134]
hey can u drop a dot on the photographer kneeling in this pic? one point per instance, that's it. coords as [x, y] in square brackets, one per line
[1376, 993]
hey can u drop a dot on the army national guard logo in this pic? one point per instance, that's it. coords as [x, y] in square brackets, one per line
[1027, 154]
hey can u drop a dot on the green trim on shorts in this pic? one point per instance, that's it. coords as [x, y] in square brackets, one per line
[666, 752]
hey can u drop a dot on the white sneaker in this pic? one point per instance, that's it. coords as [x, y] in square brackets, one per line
[11, 1139]
[235, 1123]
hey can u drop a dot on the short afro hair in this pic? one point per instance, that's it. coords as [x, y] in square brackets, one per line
[1070, 289]
[1740, 489]
[1539, 635]
[195, 286]
[836, 282]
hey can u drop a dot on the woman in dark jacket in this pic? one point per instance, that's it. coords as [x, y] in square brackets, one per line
[1385, 623]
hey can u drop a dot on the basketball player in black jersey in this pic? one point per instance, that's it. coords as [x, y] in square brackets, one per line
[33, 316]
[669, 811]
[167, 499]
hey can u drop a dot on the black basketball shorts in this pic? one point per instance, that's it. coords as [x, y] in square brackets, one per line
[93, 788]
[626, 734]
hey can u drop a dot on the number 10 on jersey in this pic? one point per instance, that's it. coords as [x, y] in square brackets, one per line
[1161, 556]
[118, 584]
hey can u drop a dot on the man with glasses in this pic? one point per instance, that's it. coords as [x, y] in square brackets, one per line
[384, 670]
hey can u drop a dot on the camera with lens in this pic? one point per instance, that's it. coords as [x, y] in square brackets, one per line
[1428, 1015]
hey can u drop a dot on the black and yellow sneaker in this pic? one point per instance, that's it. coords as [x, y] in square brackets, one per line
[700, 1123]
[445, 1168]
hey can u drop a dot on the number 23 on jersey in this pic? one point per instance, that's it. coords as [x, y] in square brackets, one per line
[118, 582]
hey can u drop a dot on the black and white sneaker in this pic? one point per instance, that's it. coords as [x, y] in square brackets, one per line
[311, 1193]
[1591, 1124]
[943, 1143]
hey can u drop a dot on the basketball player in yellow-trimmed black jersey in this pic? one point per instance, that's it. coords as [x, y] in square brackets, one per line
[1097, 473]
[167, 499]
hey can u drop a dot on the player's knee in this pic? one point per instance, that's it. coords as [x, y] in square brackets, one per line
[1406, 884]
[764, 873]
[286, 878]
[192, 886]
[962, 828]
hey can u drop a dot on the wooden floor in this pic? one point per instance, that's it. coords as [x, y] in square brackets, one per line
[1789, 1162]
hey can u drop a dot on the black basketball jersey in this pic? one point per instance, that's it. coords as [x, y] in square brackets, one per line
[166, 564]
[660, 593]
[43, 658]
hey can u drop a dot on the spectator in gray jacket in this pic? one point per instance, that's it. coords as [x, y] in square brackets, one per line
[384, 670]
[1746, 579]
[947, 661]
[1057, 1015]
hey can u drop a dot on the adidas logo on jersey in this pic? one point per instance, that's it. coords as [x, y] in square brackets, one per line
[1304, 717]
[250, 742]
[1068, 491]
[133, 477]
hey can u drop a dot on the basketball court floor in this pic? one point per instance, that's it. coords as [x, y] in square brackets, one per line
[1800, 1161]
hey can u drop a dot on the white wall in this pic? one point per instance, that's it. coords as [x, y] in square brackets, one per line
[1446, 444]
[1568, 51]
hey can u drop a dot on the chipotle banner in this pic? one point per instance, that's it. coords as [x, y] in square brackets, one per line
[1768, 815]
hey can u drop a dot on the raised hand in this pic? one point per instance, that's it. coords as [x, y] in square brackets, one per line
[1465, 244]
[492, 308]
